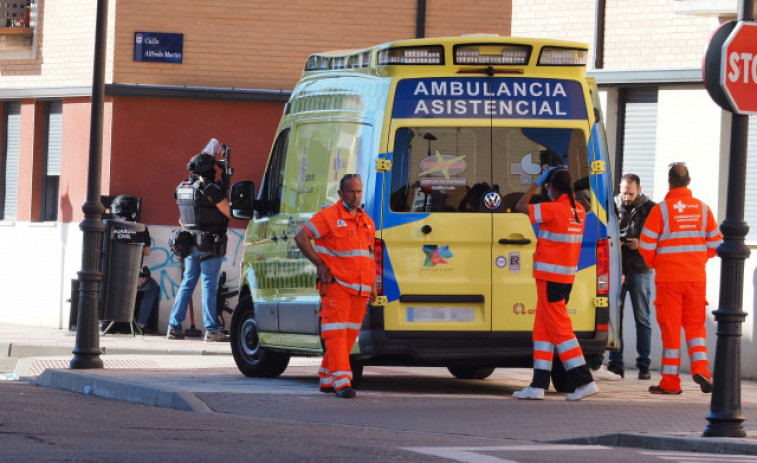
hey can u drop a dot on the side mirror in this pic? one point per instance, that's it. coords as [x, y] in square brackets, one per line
[242, 200]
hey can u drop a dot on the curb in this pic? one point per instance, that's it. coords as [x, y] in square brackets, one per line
[692, 443]
[92, 384]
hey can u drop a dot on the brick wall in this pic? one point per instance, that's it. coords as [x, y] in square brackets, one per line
[638, 33]
[264, 44]
[66, 33]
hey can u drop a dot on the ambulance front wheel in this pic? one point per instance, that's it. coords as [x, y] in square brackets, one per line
[470, 372]
[251, 358]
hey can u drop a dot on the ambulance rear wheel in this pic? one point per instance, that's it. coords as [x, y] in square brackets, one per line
[470, 372]
[251, 358]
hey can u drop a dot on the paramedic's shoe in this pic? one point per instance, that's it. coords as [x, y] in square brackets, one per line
[530, 393]
[704, 383]
[583, 391]
[216, 337]
[173, 333]
[326, 389]
[644, 373]
[603, 374]
[346, 393]
[659, 390]
[620, 371]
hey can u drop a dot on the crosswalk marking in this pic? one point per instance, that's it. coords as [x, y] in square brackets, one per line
[471, 455]
[693, 457]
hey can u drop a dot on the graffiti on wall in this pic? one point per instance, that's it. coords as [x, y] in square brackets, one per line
[165, 267]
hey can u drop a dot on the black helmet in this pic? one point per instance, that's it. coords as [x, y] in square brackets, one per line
[201, 164]
[124, 207]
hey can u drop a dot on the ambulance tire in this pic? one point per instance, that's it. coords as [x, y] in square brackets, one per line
[560, 380]
[251, 358]
[470, 372]
[357, 372]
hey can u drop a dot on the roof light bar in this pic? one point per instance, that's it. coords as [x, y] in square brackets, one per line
[432, 54]
[317, 63]
[553, 56]
[492, 54]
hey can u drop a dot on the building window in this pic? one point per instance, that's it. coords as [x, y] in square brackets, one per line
[52, 156]
[18, 29]
[11, 149]
[639, 135]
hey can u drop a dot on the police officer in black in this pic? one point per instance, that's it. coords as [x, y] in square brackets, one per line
[204, 212]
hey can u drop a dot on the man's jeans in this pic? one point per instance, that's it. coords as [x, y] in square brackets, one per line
[640, 287]
[150, 291]
[198, 264]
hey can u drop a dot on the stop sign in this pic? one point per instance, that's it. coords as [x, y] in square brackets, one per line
[738, 68]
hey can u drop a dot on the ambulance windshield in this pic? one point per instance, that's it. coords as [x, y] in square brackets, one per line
[450, 169]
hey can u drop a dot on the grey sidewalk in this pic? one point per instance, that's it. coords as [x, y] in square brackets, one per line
[202, 377]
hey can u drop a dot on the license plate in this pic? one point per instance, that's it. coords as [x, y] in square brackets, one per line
[441, 314]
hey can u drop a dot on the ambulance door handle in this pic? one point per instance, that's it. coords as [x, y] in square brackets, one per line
[426, 229]
[518, 241]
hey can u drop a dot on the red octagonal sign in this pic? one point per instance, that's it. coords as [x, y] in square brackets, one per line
[738, 68]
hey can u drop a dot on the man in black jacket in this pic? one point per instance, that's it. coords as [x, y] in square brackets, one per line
[633, 207]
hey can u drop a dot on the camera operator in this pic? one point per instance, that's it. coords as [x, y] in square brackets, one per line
[204, 211]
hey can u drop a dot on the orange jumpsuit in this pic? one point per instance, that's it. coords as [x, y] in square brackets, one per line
[557, 251]
[679, 235]
[345, 244]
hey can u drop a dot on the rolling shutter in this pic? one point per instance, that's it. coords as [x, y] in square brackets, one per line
[640, 136]
[10, 160]
[54, 137]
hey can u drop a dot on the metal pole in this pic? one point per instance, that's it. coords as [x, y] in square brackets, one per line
[725, 407]
[87, 349]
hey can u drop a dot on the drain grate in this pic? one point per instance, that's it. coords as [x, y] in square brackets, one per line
[40, 365]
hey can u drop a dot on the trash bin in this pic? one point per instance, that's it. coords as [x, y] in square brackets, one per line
[122, 258]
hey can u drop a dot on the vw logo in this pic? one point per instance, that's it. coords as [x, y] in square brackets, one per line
[492, 200]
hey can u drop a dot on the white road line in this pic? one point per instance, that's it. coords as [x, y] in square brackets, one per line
[693, 457]
[470, 455]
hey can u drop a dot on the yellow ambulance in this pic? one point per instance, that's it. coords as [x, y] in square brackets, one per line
[446, 134]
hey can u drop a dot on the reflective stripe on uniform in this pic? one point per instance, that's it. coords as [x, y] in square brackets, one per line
[647, 246]
[560, 237]
[670, 369]
[650, 234]
[350, 253]
[574, 362]
[696, 342]
[334, 326]
[312, 229]
[698, 356]
[357, 287]
[567, 345]
[681, 249]
[543, 346]
[325, 381]
[542, 365]
[713, 244]
[554, 268]
[537, 213]
[341, 382]
[671, 353]
[338, 374]
[324, 371]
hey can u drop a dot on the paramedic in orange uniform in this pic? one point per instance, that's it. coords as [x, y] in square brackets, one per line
[343, 257]
[679, 235]
[561, 227]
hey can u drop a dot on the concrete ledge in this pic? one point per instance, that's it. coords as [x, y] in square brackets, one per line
[691, 443]
[76, 381]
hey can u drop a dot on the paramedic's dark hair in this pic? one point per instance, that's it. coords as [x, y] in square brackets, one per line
[631, 178]
[345, 178]
[562, 182]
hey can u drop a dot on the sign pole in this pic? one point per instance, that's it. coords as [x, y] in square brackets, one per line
[725, 418]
